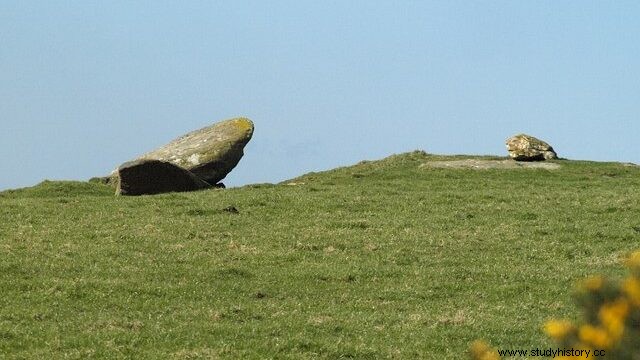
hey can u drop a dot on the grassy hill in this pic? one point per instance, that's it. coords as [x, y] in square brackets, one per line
[384, 259]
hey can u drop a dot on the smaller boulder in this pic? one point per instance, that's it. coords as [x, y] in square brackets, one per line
[524, 147]
[146, 177]
[111, 180]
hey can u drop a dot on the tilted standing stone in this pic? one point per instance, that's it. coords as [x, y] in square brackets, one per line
[209, 153]
[197, 160]
[524, 147]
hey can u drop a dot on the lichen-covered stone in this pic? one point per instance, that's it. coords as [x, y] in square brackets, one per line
[146, 177]
[209, 153]
[524, 147]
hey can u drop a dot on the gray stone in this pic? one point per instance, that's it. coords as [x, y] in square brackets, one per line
[524, 147]
[146, 177]
[106, 180]
[209, 153]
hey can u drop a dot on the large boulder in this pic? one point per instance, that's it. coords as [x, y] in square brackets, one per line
[140, 177]
[209, 153]
[524, 147]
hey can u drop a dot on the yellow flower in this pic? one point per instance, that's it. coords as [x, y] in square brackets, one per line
[612, 315]
[558, 329]
[481, 351]
[593, 283]
[595, 336]
[631, 287]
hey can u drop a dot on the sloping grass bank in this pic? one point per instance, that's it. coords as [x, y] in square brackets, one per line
[385, 259]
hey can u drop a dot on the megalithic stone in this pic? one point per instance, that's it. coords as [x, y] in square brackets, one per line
[524, 147]
[209, 153]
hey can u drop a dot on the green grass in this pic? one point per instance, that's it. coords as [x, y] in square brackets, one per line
[385, 259]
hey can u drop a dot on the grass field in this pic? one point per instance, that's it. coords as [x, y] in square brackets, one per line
[384, 259]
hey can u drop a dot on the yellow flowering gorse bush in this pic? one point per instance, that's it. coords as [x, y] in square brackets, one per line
[611, 319]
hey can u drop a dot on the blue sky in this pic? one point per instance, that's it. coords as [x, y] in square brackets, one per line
[87, 85]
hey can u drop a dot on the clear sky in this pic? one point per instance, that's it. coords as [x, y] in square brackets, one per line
[87, 85]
